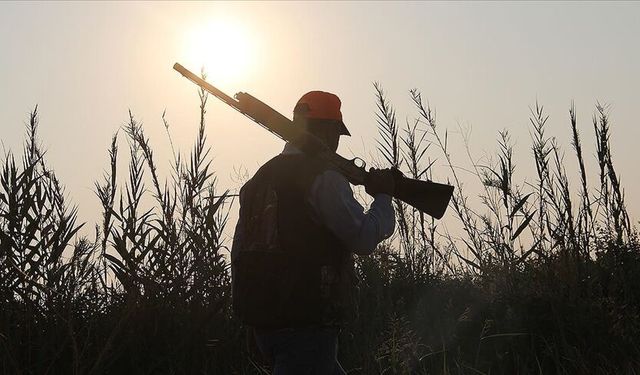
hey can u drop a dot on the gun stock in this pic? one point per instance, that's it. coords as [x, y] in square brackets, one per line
[429, 197]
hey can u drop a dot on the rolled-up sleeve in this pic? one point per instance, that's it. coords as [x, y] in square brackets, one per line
[360, 232]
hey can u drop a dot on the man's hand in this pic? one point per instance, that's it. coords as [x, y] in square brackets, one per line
[380, 181]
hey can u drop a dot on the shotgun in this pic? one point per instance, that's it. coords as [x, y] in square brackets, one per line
[429, 197]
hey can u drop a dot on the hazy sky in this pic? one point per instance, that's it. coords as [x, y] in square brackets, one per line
[482, 66]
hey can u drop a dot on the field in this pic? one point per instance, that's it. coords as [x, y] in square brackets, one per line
[535, 282]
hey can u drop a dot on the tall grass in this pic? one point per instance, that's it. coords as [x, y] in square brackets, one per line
[535, 281]
[151, 291]
[536, 260]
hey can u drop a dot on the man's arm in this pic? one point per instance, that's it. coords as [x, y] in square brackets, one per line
[335, 206]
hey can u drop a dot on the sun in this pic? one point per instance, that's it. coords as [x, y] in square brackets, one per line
[222, 47]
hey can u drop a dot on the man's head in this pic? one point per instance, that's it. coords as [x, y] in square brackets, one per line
[319, 112]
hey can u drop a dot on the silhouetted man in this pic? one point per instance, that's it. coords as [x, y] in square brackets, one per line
[292, 262]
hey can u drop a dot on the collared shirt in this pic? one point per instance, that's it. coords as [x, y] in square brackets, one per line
[335, 206]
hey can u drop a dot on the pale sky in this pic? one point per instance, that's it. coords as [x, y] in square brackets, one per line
[480, 65]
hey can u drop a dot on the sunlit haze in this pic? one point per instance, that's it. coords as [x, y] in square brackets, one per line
[223, 48]
[481, 66]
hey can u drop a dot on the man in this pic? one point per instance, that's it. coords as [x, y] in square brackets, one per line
[292, 263]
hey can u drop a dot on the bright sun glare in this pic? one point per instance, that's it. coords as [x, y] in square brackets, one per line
[222, 48]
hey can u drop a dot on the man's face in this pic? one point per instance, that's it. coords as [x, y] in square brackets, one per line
[327, 131]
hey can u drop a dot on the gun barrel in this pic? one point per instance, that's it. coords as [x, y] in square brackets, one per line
[205, 85]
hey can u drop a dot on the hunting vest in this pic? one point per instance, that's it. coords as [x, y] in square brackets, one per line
[290, 270]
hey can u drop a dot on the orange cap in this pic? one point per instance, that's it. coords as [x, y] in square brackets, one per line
[322, 106]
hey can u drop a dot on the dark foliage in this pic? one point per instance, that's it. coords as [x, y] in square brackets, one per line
[535, 283]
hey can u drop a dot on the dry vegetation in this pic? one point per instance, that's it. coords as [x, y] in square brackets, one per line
[536, 282]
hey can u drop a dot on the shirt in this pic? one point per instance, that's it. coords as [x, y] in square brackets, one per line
[334, 205]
